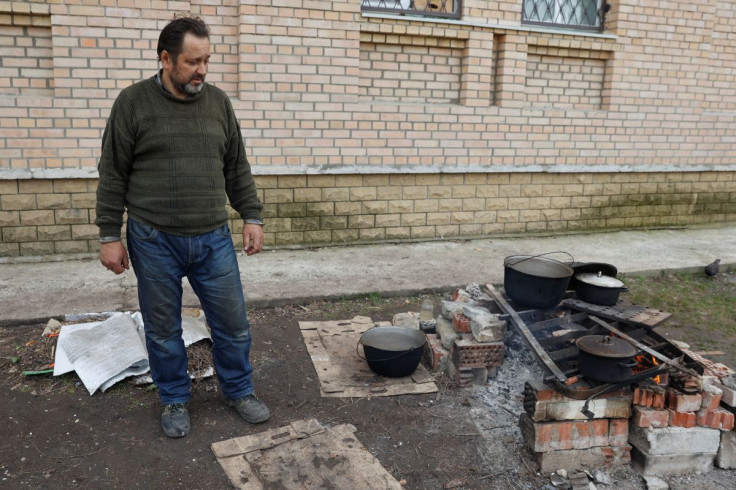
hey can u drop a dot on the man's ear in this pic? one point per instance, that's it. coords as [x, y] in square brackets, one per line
[166, 60]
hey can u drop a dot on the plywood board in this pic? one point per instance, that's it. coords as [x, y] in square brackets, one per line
[342, 372]
[302, 455]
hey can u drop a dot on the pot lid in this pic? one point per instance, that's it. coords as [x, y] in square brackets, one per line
[605, 346]
[599, 280]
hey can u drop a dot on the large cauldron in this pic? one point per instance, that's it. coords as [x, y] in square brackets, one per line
[533, 281]
[393, 351]
[605, 359]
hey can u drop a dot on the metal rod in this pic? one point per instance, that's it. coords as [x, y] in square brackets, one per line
[643, 347]
[526, 333]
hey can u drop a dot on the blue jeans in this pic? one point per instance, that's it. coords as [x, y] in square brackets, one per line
[160, 261]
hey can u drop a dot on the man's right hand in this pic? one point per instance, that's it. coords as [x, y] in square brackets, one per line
[114, 256]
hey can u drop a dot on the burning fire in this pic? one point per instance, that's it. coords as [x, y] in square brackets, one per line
[643, 363]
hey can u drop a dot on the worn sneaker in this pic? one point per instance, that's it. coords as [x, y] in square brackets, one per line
[250, 408]
[175, 420]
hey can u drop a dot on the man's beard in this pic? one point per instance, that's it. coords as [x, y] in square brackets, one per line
[186, 87]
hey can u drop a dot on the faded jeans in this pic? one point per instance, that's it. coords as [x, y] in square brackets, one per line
[160, 261]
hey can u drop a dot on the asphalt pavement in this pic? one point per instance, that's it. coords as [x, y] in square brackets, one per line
[34, 290]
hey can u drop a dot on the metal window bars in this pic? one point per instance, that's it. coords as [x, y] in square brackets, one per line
[427, 8]
[572, 14]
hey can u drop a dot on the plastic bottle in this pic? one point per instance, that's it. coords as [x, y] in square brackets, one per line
[426, 313]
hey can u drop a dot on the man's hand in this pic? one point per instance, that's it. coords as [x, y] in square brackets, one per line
[114, 256]
[252, 238]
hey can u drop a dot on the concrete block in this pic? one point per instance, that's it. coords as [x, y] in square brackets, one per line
[650, 417]
[726, 457]
[671, 464]
[447, 334]
[409, 320]
[729, 396]
[583, 459]
[674, 440]
[449, 308]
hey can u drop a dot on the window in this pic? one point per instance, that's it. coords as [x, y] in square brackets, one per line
[427, 8]
[576, 14]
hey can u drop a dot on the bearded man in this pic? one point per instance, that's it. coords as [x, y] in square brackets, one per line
[172, 152]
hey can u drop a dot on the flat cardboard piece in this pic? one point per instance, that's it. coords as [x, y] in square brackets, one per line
[341, 370]
[302, 455]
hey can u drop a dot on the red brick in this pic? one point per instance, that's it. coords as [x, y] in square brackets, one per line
[436, 350]
[681, 402]
[618, 433]
[556, 436]
[682, 419]
[650, 417]
[712, 396]
[461, 323]
[716, 419]
[649, 396]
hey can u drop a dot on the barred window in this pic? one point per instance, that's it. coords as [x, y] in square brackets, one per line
[426, 8]
[577, 14]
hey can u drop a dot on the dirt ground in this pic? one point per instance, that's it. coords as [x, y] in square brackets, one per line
[54, 435]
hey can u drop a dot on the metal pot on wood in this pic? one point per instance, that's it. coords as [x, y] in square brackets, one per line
[598, 289]
[605, 359]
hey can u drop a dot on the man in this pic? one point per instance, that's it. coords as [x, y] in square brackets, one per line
[171, 153]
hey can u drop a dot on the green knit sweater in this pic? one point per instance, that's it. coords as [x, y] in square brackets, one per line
[172, 162]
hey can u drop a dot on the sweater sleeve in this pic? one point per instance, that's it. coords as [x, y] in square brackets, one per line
[239, 184]
[116, 160]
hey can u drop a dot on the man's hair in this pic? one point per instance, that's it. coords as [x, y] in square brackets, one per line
[172, 36]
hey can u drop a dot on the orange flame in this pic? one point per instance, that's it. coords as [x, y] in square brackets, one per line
[644, 363]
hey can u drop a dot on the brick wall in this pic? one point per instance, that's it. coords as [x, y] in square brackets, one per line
[55, 216]
[412, 123]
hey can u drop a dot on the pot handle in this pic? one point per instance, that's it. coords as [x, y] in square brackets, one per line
[506, 262]
[624, 289]
[630, 364]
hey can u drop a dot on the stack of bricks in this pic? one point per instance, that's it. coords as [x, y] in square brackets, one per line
[674, 432]
[454, 348]
[561, 437]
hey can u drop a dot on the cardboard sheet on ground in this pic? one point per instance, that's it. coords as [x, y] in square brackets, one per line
[105, 352]
[333, 347]
[302, 455]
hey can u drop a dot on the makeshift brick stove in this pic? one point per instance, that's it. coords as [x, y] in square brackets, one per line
[673, 415]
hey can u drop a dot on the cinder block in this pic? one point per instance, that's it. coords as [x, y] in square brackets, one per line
[582, 459]
[674, 440]
[650, 417]
[556, 436]
[726, 457]
[671, 464]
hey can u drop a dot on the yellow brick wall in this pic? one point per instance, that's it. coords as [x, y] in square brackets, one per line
[416, 128]
[42, 217]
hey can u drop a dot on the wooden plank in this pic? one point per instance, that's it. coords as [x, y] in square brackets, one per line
[335, 353]
[526, 334]
[332, 458]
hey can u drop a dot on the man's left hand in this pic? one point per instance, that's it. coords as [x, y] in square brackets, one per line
[252, 238]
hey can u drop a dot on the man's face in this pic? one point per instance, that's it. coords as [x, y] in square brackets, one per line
[188, 71]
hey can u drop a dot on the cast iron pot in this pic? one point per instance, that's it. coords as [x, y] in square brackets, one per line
[598, 289]
[536, 282]
[393, 351]
[605, 359]
[595, 267]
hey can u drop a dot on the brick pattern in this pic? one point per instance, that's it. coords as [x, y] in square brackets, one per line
[411, 73]
[295, 72]
[26, 66]
[323, 209]
[558, 81]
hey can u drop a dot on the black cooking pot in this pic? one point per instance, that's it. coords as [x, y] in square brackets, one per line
[594, 267]
[598, 289]
[534, 281]
[605, 359]
[393, 351]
